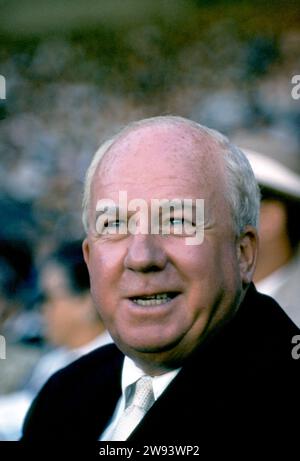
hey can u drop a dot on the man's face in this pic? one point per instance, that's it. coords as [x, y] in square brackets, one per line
[194, 287]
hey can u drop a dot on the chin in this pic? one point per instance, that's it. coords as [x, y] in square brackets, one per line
[148, 346]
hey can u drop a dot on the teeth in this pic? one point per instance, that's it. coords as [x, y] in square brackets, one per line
[151, 302]
[154, 300]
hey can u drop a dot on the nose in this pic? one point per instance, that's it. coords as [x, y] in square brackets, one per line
[145, 254]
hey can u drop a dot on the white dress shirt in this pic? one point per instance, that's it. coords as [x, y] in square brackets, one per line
[130, 374]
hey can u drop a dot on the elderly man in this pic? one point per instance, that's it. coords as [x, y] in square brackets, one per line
[201, 357]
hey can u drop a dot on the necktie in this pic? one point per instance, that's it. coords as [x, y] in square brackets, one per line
[142, 401]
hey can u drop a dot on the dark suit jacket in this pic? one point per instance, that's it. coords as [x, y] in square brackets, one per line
[240, 388]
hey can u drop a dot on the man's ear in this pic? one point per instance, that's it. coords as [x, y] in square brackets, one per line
[86, 251]
[247, 248]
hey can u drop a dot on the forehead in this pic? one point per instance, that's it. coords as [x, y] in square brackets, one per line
[53, 279]
[160, 159]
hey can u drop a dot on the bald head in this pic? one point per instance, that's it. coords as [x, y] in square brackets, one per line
[189, 141]
[154, 154]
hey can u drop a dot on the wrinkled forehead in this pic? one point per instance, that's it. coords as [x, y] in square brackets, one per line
[163, 151]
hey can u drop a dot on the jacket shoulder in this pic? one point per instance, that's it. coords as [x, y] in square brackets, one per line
[79, 397]
[97, 360]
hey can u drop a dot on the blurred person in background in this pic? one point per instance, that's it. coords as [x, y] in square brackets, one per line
[278, 268]
[19, 324]
[71, 323]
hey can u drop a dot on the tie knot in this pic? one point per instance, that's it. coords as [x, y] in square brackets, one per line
[143, 395]
[139, 400]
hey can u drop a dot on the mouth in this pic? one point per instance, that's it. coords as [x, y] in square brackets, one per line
[154, 300]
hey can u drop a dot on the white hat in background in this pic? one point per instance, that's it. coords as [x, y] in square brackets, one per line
[273, 174]
[274, 156]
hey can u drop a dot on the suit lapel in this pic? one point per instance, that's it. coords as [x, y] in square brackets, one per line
[95, 393]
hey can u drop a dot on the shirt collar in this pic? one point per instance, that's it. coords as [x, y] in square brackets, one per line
[131, 373]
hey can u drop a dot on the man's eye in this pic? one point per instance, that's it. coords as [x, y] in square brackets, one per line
[180, 226]
[106, 225]
[181, 222]
[176, 221]
[113, 224]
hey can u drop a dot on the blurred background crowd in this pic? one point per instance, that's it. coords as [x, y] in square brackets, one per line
[75, 73]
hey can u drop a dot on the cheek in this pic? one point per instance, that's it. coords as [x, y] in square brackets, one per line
[207, 268]
[51, 312]
[213, 281]
[194, 262]
[104, 264]
[105, 269]
[61, 314]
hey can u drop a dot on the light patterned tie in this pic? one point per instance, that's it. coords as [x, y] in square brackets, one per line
[142, 401]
